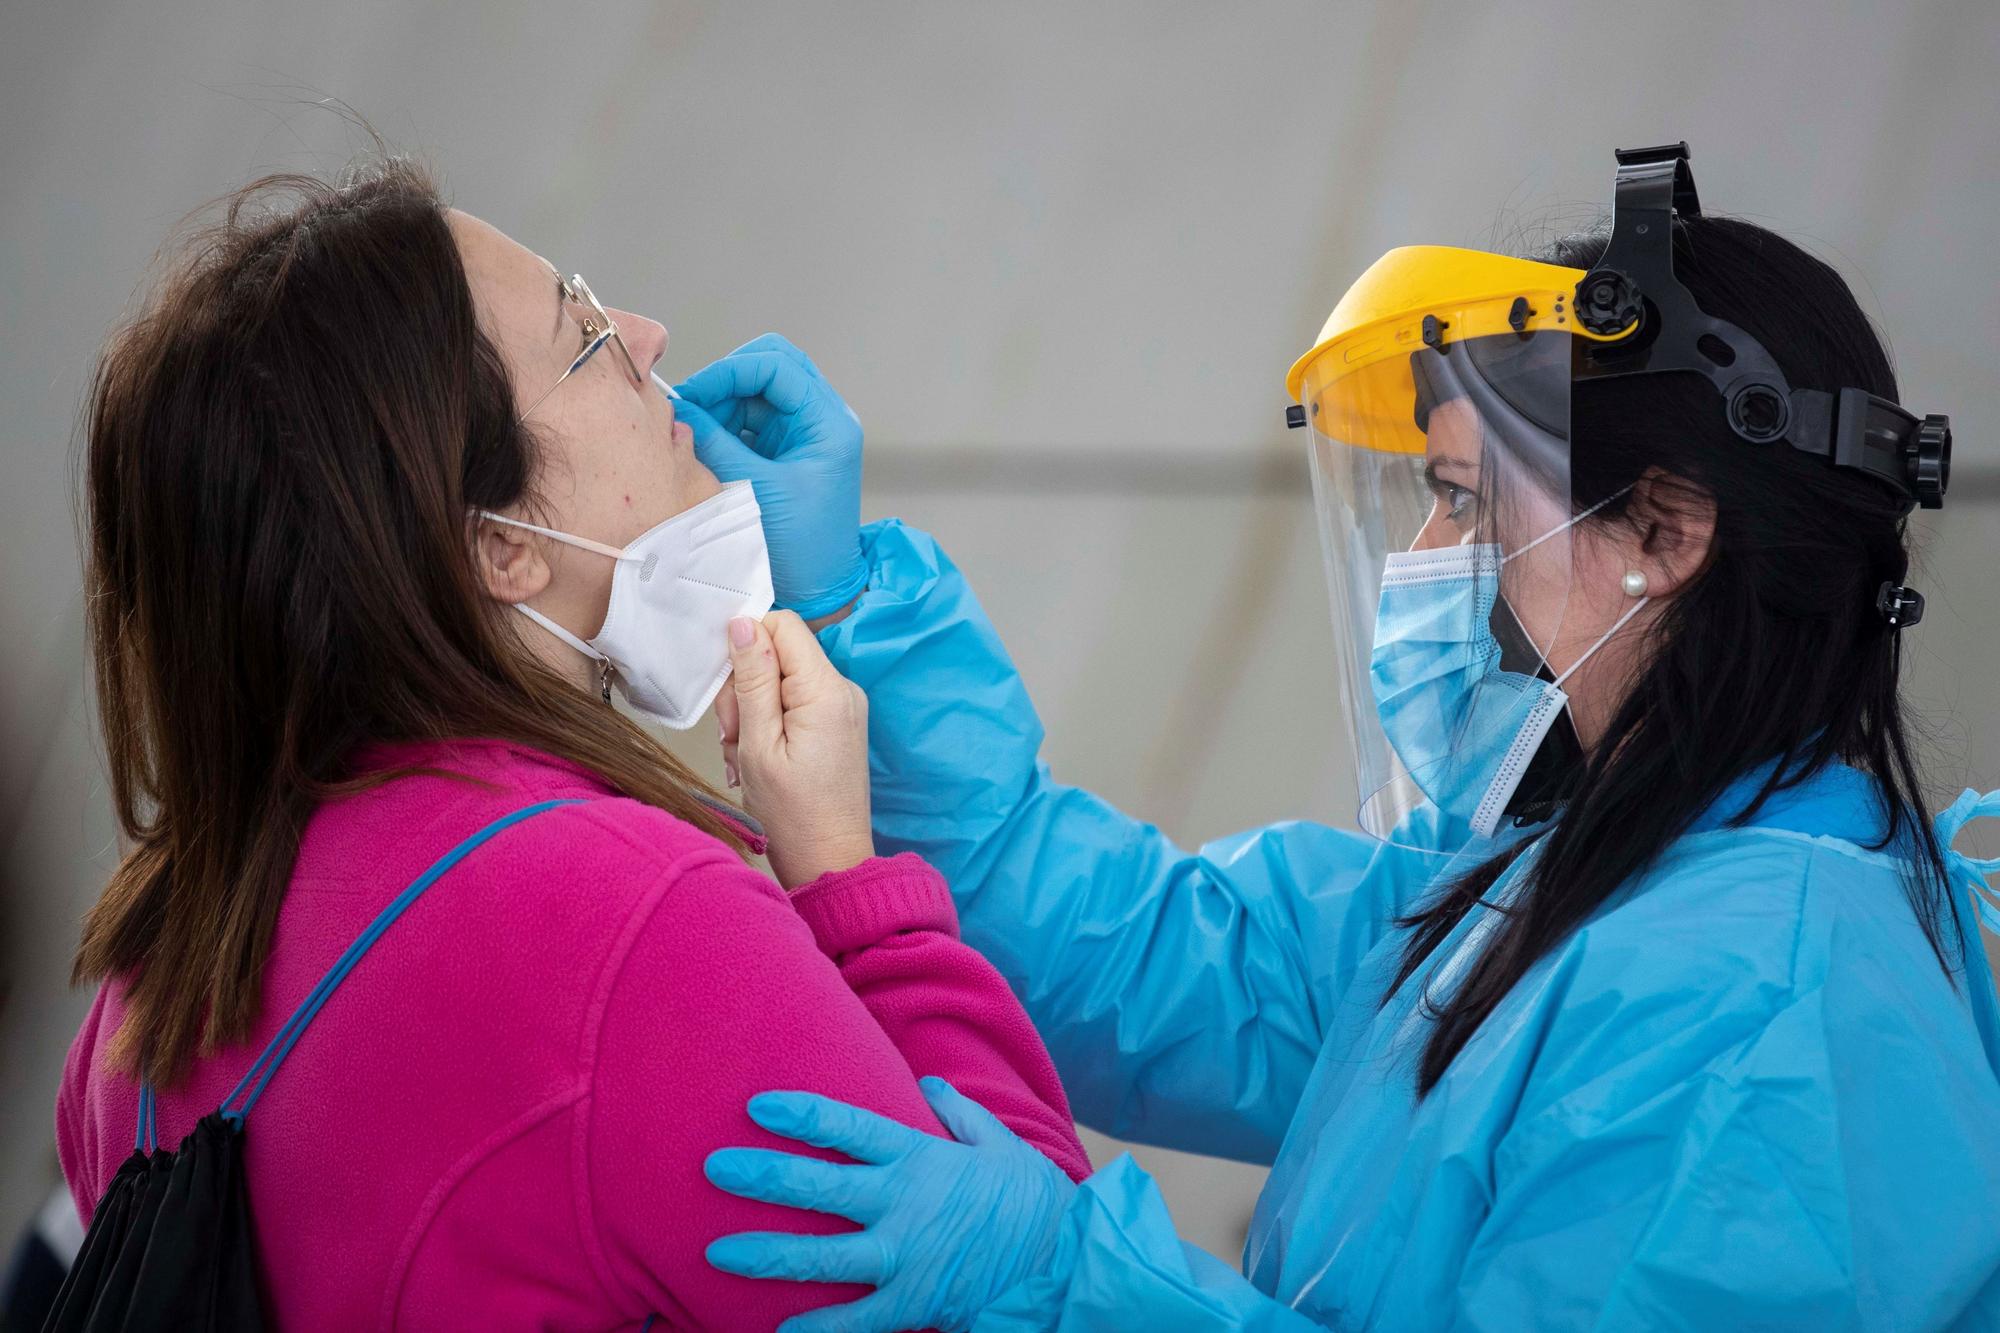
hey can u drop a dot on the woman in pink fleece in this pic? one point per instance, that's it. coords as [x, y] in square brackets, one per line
[313, 687]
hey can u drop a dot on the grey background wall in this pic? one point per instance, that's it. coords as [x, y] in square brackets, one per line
[1058, 257]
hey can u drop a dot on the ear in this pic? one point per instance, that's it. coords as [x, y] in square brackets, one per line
[1675, 522]
[509, 560]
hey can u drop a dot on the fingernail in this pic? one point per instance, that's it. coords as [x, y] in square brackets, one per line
[730, 771]
[742, 631]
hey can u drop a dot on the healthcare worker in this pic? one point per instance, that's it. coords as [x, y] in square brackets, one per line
[1644, 997]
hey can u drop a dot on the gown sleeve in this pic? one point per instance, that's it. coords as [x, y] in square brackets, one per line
[1118, 1264]
[1183, 994]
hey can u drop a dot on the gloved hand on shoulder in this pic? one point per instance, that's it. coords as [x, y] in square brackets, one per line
[947, 1224]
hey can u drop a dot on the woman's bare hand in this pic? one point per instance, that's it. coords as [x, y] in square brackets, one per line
[795, 733]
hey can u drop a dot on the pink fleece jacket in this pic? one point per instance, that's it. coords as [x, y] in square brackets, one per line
[500, 1118]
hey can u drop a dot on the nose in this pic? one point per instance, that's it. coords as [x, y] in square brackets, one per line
[645, 339]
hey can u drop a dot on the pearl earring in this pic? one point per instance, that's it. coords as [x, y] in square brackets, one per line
[1635, 583]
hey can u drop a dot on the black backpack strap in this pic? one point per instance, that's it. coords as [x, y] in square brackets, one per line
[287, 1036]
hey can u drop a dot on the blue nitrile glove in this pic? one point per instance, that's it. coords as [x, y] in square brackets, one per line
[946, 1226]
[764, 414]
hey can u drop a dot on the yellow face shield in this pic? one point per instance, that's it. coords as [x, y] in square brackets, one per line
[1437, 402]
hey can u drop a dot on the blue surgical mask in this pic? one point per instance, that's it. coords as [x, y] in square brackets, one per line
[1464, 728]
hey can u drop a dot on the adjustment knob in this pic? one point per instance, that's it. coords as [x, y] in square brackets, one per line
[1930, 461]
[1758, 412]
[1607, 302]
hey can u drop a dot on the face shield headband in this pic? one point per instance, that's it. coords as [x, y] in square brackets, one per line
[1653, 325]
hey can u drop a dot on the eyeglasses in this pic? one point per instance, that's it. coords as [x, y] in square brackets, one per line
[598, 329]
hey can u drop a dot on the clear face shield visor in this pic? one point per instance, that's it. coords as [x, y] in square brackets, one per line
[1441, 474]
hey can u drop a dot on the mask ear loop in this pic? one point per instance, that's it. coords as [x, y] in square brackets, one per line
[1564, 527]
[1560, 527]
[1515, 765]
[569, 539]
[1602, 639]
[603, 662]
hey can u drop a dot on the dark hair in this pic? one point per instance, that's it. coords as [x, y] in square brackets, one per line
[282, 451]
[1773, 654]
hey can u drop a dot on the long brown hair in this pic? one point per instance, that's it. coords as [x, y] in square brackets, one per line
[282, 451]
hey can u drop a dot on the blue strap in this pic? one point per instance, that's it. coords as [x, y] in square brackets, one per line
[147, 1138]
[266, 1064]
[287, 1036]
[1971, 872]
[295, 1026]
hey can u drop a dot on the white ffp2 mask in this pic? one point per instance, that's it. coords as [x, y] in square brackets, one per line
[673, 594]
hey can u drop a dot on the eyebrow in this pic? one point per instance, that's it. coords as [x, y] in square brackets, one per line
[1438, 462]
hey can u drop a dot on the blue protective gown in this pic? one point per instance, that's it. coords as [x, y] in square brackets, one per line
[1745, 1094]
